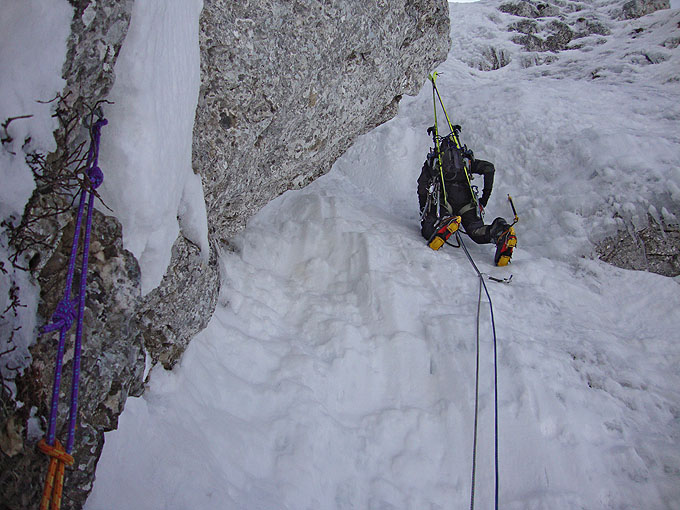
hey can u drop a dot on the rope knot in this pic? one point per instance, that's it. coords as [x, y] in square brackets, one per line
[96, 176]
[63, 316]
[56, 452]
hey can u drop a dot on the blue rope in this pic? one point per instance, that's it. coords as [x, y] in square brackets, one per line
[474, 439]
[495, 382]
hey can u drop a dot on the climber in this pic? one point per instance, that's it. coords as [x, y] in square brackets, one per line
[452, 165]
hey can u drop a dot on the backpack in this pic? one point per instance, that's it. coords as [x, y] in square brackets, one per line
[452, 161]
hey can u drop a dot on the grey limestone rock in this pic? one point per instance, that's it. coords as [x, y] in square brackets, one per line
[560, 35]
[555, 26]
[524, 26]
[285, 89]
[530, 9]
[586, 26]
[112, 366]
[287, 86]
[655, 248]
[530, 42]
[490, 59]
[98, 29]
[181, 306]
[552, 27]
[638, 8]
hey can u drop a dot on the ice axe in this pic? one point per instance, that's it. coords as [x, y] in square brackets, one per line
[514, 211]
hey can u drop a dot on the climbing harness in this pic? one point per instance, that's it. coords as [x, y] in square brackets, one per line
[62, 320]
[482, 284]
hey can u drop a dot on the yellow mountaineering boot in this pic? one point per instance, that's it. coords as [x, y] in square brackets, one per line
[504, 247]
[446, 226]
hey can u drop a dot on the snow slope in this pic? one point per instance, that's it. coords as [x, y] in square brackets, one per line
[338, 370]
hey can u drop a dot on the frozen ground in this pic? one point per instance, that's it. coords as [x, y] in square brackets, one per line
[338, 370]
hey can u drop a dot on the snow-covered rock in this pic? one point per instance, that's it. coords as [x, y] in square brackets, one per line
[312, 71]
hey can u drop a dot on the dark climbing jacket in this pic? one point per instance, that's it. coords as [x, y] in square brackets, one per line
[457, 188]
[458, 192]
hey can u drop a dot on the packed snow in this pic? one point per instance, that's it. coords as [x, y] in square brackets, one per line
[151, 186]
[338, 369]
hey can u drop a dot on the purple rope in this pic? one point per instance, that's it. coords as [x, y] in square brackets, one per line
[96, 178]
[63, 319]
[65, 312]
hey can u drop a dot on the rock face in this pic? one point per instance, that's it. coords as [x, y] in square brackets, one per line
[286, 87]
[173, 313]
[541, 9]
[552, 27]
[112, 366]
[655, 248]
[637, 8]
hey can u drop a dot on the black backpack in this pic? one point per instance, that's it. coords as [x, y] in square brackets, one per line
[452, 161]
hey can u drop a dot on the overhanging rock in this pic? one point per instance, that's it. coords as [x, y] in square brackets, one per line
[285, 89]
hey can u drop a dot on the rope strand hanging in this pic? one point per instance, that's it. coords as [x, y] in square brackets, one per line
[62, 320]
[482, 284]
[453, 135]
